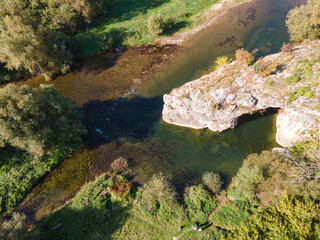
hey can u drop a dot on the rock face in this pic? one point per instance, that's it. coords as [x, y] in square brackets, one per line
[217, 100]
[291, 125]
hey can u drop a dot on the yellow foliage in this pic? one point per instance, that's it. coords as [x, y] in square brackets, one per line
[221, 61]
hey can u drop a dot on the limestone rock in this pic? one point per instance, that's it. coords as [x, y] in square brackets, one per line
[217, 100]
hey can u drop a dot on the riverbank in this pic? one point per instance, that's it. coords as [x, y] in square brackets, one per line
[210, 17]
[180, 21]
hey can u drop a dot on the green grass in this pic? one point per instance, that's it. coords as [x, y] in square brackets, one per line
[127, 24]
[20, 172]
[92, 215]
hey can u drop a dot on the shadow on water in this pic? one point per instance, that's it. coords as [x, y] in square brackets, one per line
[131, 117]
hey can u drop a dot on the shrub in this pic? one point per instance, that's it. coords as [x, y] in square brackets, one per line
[199, 203]
[212, 181]
[304, 22]
[232, 214]
[292, 96]
[288, 219]
[159, 188]
[265, 67]
[302, 90]
[291, 79]
[286, 47]
[221, 61]
[155, 24]
[244, 57]
[104, 41]
[15, 228]
[170, 212]
[120, 187]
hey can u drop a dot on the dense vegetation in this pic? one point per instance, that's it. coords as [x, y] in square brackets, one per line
[42, 36]
[304, 22]
[39, 129]
[269, 198]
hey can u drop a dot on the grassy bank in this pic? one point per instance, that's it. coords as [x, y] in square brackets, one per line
[97, 213]
[20, 172]
[110, 208]
[128, 23]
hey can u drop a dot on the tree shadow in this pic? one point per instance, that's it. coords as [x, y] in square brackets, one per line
[90, 43]
[125, 117]
[126, 10]
[174, 27]
[86, 222]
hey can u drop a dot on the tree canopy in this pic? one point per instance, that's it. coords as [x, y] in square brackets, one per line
[37, 119]
[304, 22]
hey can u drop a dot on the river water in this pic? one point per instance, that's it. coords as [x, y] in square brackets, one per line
[121, 93]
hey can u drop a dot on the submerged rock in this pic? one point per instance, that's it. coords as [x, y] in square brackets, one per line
[217, 100]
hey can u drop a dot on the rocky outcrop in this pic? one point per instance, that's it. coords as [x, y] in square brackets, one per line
[217, 100]
[291, 125]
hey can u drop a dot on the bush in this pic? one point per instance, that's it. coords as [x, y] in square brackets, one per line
[291, 79]
[221, 61]
[244, 57]
[304, 22]
[265, 67]
[15, 228]
[212, 181]
[155, 24]
[286, 47]
[305, 91]
[159, 188]
[172, 213]
[120, 187]
[105, 41]
[288, 219]
[232, 214]
[199, 203]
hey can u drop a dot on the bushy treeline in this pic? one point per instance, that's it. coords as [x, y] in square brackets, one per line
[304, 22]
[33, 33]
[38, 129]
[271, 197]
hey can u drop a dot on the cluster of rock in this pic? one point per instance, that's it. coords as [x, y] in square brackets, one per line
[217, 100]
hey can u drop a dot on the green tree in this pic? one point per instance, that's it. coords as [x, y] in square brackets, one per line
[304, 22]
[37, 119]
[15, 228]
[290, 218]
[199, 203]
[247, 180]
[24, 45]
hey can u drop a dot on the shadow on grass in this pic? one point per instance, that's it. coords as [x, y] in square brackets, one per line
[87, 222]
[125, 10]
[89, 44]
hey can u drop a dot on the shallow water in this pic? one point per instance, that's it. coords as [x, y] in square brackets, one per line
[124, 124]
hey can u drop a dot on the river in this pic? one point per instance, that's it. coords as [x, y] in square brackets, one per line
[120, 95]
